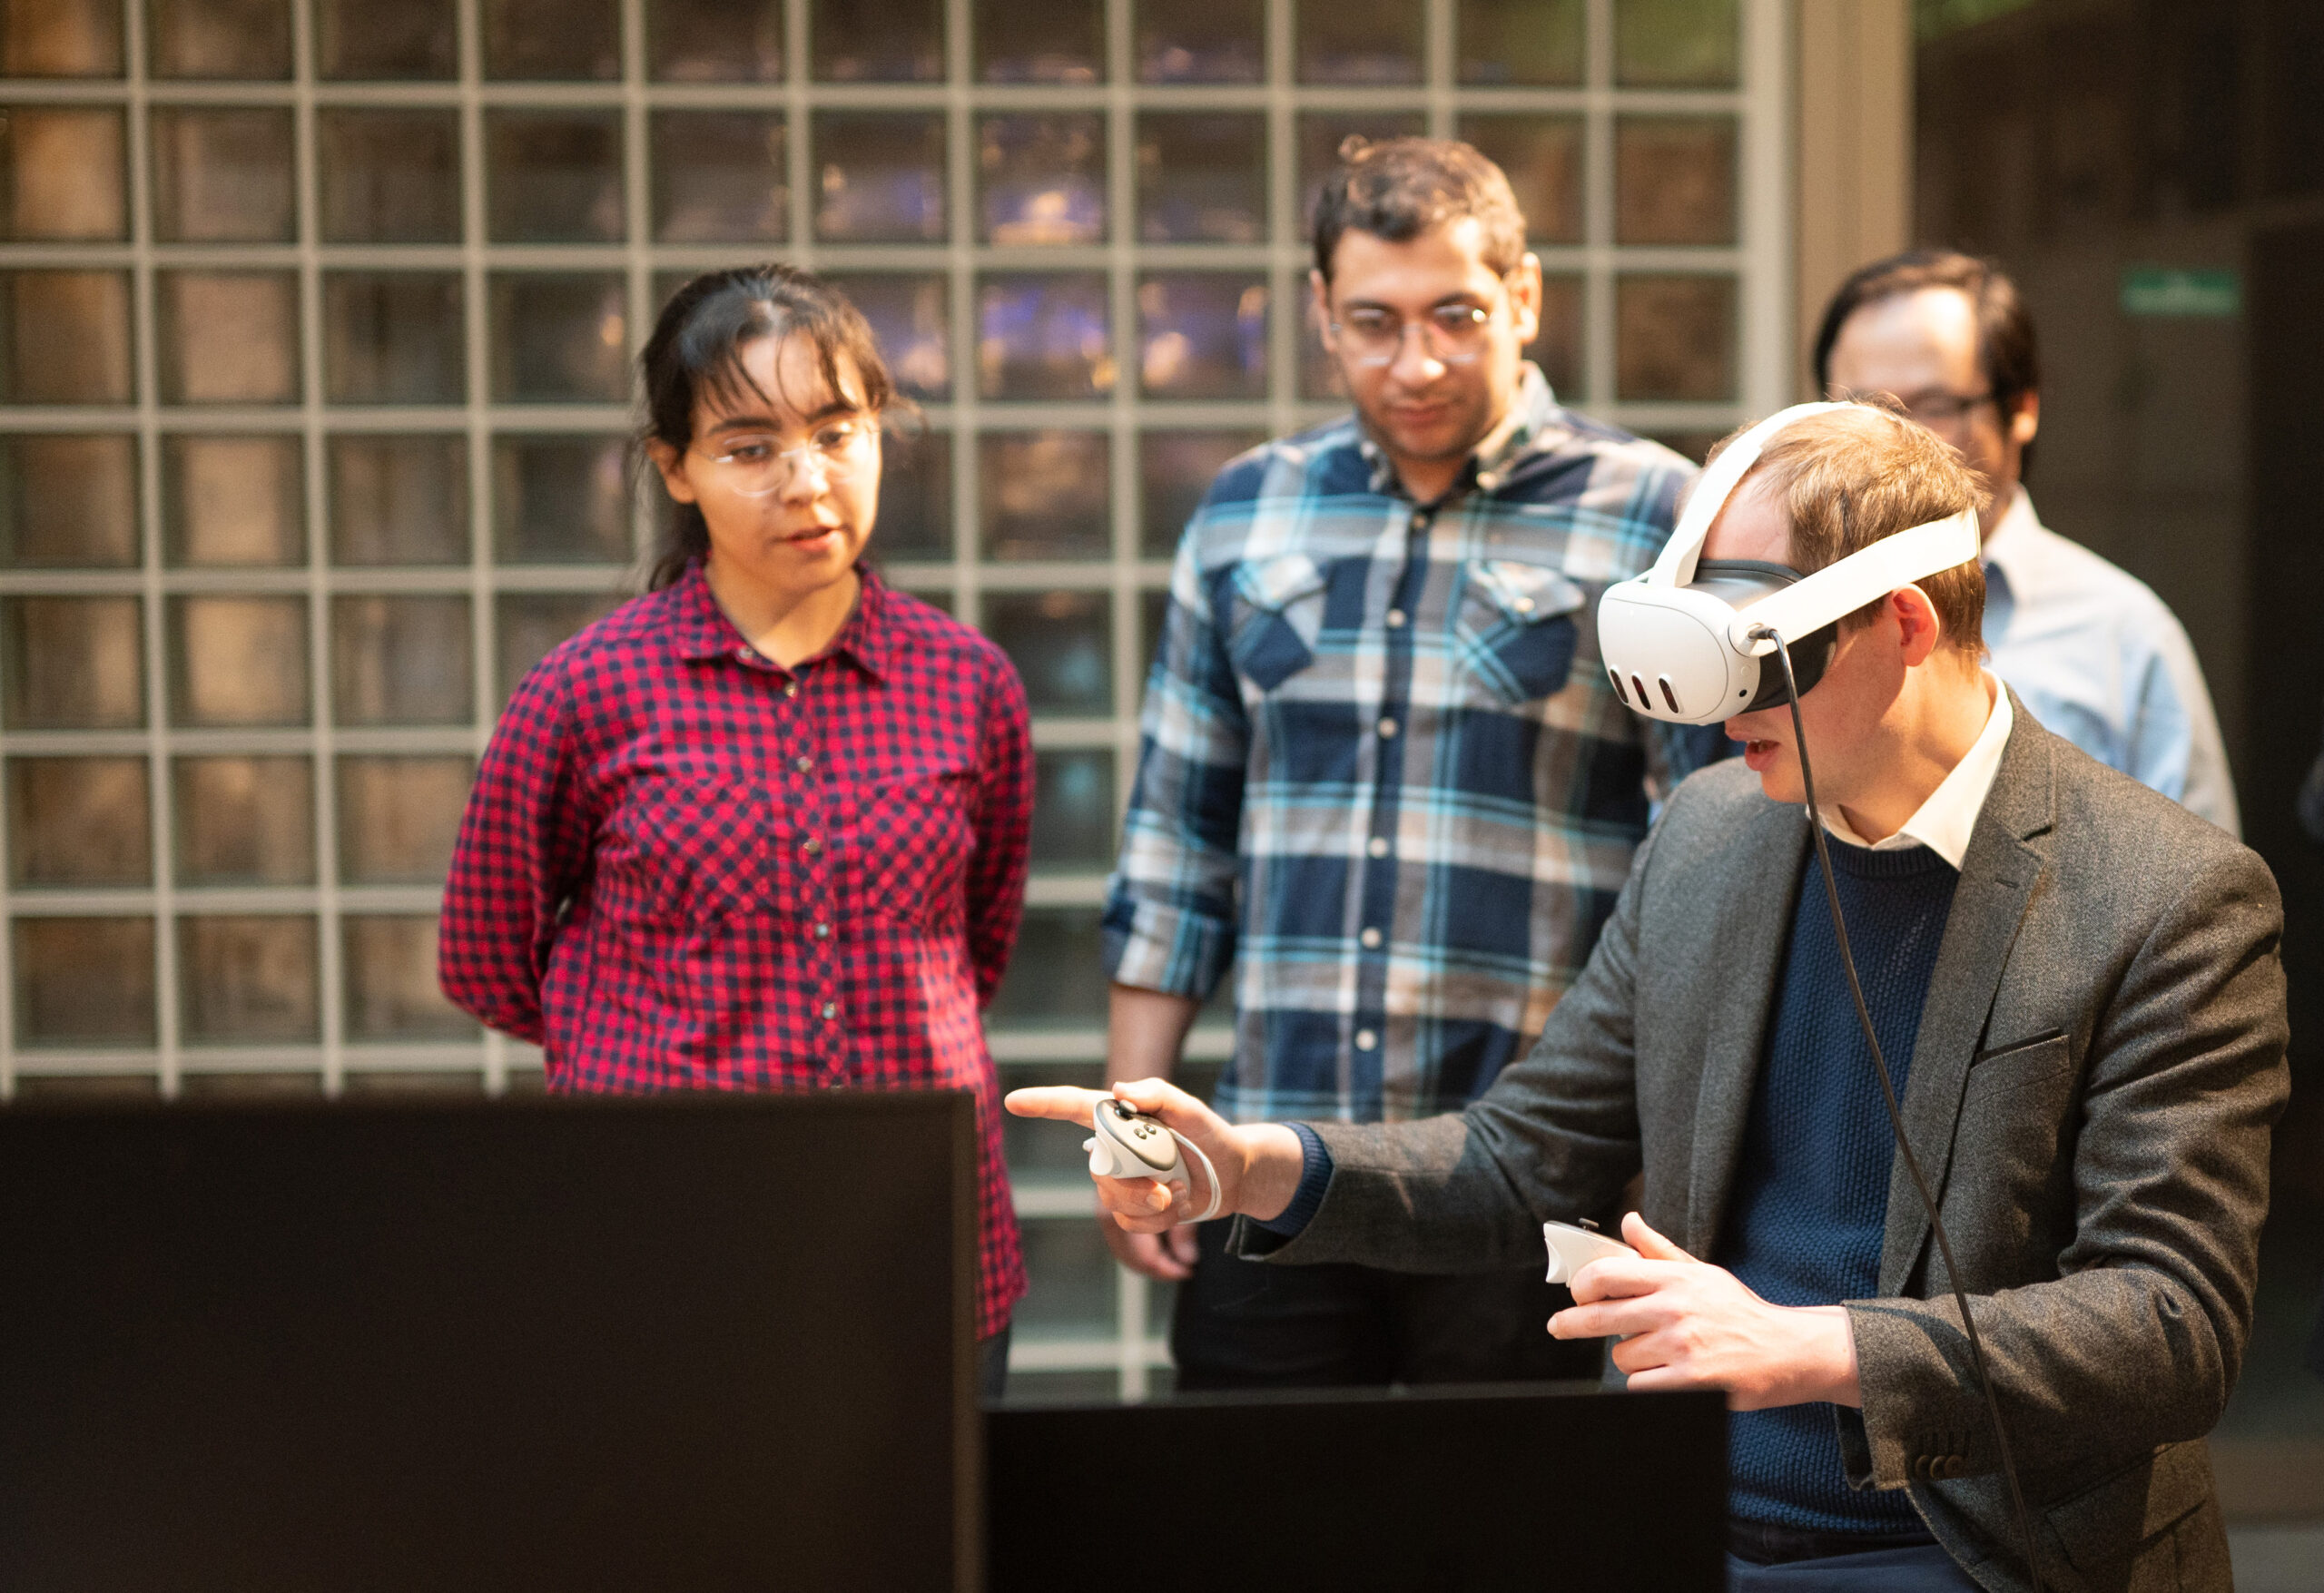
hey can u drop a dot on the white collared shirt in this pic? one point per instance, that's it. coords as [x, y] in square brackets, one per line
[1944, 822]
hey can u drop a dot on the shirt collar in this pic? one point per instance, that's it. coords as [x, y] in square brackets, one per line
[1944, 822]
[700, 629]
[2006, 549]
[1530, 413]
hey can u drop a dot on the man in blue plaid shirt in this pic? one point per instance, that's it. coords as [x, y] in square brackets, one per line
[1383, 777]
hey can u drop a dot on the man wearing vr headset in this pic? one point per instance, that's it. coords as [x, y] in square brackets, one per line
[2075, 983]
[1385, 781]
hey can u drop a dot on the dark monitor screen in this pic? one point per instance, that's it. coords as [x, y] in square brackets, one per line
[1535, 1485]
[701, 1343]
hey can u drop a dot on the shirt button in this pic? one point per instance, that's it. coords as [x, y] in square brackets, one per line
[1387, 730]
[830, 1009]
[1365, 1039]
[823, 930]
[1377, 846]
[1420, 521]
[743, 655]
[1395, 619]
[814, 844]
[1371, 938]
[791, 689]
[1524, 605]
[802, 764]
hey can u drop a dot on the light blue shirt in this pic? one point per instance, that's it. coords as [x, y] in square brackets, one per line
[2100, 660]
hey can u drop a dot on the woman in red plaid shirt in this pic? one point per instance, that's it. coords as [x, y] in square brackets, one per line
[765, 827]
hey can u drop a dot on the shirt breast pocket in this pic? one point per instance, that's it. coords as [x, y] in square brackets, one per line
[915, 834]
[1516, 627]
[1275, 612]
[689, 853]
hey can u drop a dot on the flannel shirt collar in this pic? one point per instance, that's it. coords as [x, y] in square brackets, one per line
[700, 629]
[1532, 414]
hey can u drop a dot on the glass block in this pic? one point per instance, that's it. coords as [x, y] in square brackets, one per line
[1359, 40]
[1044, 337]
[432, 1084]
[1557, 348]
[1674, 180]
[898, 41]
[1694, 446]
[552, 176]
[880, 177]
[72, 663]
[1028, 1149]
[1676, 44]
[399, 817]
[560, 499]
[390, 982]
[222, 176]
[394, 338]
[238, 661]
[1201, 41]
[400, 661]
[410, 39]
[1071, 1292]
[1542, 157]
[915, 496]
[1519, 42]
[64, 169]
[68, 502]
[1055, 977]
[67, 337]
[197, 1084]
[218, 38]
[1153, 613]
[399, 500]
[390, 176]
[244, 820]
[1202, 177]
[910, 317]
[1073, 809]
[1061, 42]
[79, 821]
[228, 336]
[1042, 179]
[1321, 134]
[1045, 495]
[60, 38]
[715, 41]
[228, 501]
[1202, 335]
[249, 979]
[526, 624]
[83, 981]
[719, 176]
[559, 338]
[1062, 645]
[1674, 337]
[573, 41]
[1175, 468]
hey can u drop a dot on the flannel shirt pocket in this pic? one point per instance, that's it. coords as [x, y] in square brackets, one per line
[1278, 606]
[1514, 628]
[692, 851]
[914, 834]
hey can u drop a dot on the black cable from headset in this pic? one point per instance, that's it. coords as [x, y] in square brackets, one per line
[1895, 1118]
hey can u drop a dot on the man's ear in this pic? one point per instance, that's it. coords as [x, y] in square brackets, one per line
[1920, 629]
[1525, 298]
[668, 460]
[2027, 420]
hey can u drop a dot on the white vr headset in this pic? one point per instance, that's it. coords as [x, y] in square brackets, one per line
[1679, 642]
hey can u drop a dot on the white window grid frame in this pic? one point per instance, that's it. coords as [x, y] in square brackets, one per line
[1135, 1350]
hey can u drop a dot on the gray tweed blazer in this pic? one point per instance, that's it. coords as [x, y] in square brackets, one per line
[2099, 1065]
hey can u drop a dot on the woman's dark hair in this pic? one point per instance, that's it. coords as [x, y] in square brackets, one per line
[2007, 352]
[696, 352]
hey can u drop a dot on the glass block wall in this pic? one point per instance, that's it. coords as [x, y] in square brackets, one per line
[315, 324]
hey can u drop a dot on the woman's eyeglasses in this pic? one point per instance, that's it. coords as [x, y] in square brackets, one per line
[1453, 334]
[755, 464]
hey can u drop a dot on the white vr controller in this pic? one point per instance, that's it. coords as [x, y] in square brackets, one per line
[1128, 1143]
[1572, 1248]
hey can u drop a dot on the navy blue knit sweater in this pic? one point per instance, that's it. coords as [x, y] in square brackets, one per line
[1811, 1191]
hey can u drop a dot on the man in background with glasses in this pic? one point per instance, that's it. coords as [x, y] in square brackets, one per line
[2093, 651]
[1385, 781]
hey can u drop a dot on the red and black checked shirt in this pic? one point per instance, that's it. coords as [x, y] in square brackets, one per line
[684, 867]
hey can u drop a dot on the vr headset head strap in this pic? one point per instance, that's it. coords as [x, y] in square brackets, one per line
[1676, 566]
[1864, 576]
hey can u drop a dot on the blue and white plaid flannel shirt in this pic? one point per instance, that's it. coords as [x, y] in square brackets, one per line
[1382, 775]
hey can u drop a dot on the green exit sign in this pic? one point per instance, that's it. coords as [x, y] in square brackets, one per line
[2168, 291]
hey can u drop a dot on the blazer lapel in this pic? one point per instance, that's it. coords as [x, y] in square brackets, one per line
[1998, 878]
[1754, 910]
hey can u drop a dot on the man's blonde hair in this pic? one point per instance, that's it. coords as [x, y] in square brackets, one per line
[1848, 477]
